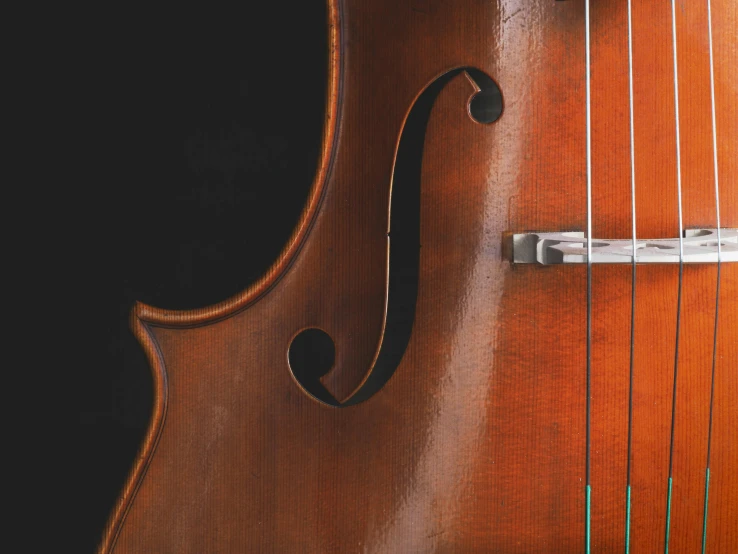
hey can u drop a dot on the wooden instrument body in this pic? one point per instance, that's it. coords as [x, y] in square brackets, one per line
[477, 442]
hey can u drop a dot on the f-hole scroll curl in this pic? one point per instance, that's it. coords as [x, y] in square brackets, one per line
[484, 106]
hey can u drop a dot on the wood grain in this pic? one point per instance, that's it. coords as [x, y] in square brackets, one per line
[477, 443]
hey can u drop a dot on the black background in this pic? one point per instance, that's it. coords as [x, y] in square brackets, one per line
[178, 150]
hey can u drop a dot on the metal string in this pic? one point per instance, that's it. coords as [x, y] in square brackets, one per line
[719, 267]
[681, 272]
[634, 261]
[588, 487]
[633, 276]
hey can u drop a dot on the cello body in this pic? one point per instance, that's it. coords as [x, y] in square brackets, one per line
[469, 433]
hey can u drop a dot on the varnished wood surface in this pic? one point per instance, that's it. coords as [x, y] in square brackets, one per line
[477, 443]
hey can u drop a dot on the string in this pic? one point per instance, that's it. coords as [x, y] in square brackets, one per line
[633, 277]
[588, 486]
[634, 262]
[719, 267]
[681, 273]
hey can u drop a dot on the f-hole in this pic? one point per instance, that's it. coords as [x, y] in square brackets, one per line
[311, 355]
[404, 235]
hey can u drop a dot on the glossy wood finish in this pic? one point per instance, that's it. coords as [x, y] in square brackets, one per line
[477, 443]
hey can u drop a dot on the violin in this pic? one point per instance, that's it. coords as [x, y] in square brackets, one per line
[506, 320]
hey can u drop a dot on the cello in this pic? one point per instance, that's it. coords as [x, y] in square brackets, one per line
[506, 320]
